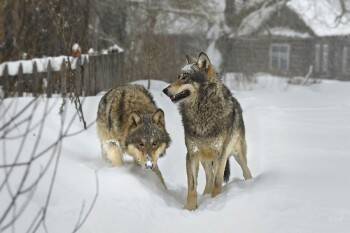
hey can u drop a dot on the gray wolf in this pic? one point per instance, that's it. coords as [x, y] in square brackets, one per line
[129, 122]
[213, 123]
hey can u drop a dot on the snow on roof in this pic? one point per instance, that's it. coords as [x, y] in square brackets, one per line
[285, 32]
[321, 16]
[256, 19]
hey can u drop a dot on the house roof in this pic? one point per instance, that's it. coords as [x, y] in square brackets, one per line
[286, 32]
[321, 16]
[254, 21]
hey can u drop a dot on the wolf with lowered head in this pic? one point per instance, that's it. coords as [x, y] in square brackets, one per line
[129, 122]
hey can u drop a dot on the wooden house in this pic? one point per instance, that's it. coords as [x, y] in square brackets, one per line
[289, 38]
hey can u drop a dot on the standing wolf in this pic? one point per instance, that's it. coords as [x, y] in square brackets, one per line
[128, 121]
[214, 127]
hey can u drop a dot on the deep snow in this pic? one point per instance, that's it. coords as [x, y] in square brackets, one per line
[298, 151]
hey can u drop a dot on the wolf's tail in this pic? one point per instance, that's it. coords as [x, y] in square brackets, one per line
[227, 171]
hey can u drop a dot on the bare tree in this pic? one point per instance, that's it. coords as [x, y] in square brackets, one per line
[25, 168]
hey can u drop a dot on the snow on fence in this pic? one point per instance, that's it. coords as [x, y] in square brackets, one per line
[86, 75]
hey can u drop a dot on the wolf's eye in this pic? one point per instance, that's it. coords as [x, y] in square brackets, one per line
[184, 76]
[141, 145]
[154, 144]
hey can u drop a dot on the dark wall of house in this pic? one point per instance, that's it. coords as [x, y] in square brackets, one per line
[301, 56]
[335, 57]
[337, 49]
[253, 55]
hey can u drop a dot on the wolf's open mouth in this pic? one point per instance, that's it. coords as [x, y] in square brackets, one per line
[180, 96]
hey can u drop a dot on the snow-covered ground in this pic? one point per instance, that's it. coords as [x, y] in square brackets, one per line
[298, 151]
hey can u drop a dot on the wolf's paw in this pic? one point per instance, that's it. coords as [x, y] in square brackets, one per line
[117, 163]
[113, 163]
[216, 191]
[191, 206]
[248, 176]
[207, 191]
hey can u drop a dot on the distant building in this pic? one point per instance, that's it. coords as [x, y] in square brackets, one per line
[287, 38]
[161, 34]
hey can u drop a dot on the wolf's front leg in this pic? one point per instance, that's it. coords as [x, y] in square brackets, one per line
[219, 167]
[159, 174]
[192, 165]
[112, 152]
[209, 175]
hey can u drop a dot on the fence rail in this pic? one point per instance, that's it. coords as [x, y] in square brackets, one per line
[88, 76]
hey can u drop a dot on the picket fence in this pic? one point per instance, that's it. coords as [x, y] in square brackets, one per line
[86, 76]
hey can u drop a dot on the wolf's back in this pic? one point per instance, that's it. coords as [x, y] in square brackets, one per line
[118, 103]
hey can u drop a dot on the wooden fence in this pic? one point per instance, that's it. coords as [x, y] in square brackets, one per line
[88, 76]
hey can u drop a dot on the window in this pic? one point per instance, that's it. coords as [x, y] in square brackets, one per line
[346, 60]
[279, 57]
[321, 58]
[325, 55]
[317, 58]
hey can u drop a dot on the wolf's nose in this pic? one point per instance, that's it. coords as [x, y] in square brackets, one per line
[149, 164]
[165, 91]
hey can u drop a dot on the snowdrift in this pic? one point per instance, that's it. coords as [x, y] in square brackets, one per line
[298, 152]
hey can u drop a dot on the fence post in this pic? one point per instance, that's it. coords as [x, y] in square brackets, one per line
[77, 76]
[114, 69]
[6, 82]
[120, 76]
[92, 74]
[35, 80]
[100, 76]
[49, 80]
[111, 70]
[86, 77]
[20, 81]
[63, 78]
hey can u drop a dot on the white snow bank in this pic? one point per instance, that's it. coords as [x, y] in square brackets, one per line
[259, 81]
[298, 151]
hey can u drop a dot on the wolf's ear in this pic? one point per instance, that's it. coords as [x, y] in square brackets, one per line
[158, 117]
[134, 119]
[190, 60]
[203, 61]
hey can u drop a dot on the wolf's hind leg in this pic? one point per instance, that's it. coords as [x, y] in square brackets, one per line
[241, 157]
[112, 152]
[192, 165]
[209, 175]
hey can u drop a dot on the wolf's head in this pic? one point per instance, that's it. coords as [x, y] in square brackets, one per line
[192, 76]
[147, 139]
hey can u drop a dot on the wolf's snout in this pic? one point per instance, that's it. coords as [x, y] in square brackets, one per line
[149, 164]
[166, 91]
